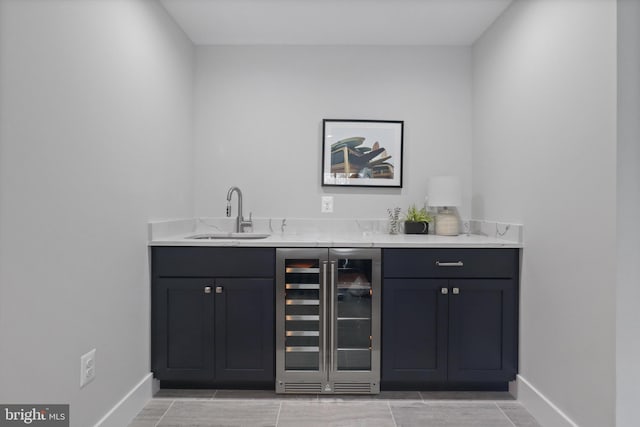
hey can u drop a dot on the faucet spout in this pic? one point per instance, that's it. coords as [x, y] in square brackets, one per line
[240, 222]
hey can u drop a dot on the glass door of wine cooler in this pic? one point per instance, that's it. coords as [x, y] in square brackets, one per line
[301, 332]
[355, 319]
[353, 311]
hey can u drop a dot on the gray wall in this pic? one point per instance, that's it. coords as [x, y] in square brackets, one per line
[95, 130]
[544, 154]
[259, 114]
[628, 291]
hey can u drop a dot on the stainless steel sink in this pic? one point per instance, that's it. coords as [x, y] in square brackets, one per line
[234, 236]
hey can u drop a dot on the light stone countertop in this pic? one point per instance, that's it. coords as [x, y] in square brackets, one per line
[175, 234]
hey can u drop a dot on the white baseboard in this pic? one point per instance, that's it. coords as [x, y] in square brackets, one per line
[547, 414]
[130, 405]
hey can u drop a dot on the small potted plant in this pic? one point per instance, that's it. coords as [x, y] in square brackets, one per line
[416, 221]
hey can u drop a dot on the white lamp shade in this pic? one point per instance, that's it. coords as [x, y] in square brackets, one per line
[444, 191]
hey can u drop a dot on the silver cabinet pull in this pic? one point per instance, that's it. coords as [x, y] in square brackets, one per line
[450, 264]
[324, 317]
[456, 291]
[219, 289]
[207, 289]
[444, 291]
[333, 314]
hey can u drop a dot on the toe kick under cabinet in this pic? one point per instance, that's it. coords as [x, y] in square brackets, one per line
[449, 318]
[213, 316]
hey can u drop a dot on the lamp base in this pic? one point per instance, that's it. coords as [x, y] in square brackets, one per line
[447, 223]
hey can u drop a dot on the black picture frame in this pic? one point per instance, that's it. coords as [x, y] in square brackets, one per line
[362, 153]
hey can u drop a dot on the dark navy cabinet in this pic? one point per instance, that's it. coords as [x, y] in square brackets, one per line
[414, 330]
[450, 318]
[213, 316]
[244, 332]
[183, 330]
[482, 330]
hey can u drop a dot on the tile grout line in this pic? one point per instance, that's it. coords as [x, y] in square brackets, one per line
[165, 413]
[504, 413]
[391, 412]
[278, 416]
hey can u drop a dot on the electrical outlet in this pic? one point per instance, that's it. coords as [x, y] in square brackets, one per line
[87, 367]
[327, 204]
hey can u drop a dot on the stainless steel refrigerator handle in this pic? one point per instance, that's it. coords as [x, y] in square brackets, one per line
[324, 320]
[333, 309]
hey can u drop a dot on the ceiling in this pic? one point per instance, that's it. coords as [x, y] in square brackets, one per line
[335, 22]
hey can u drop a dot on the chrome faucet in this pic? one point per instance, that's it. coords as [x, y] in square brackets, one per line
[241, 224]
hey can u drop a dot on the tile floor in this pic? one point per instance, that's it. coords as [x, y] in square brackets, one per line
[209, 408]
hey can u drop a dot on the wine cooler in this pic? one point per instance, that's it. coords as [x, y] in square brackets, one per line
[328, 321]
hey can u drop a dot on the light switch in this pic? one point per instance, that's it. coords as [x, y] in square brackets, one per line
[327, 204]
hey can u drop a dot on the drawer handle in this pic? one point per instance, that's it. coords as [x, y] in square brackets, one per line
[450, 264]
[444, 291]
[456, 291]
[207, 289]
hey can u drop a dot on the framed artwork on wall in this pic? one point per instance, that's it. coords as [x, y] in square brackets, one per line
[362, 153]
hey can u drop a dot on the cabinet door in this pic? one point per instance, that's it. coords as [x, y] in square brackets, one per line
[245, 331]
[482, 330]
[414, 330]
[183, 329]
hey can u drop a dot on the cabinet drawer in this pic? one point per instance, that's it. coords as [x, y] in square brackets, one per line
[212, 262]
[450, 263]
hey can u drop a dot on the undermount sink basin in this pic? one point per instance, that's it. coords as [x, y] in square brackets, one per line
[212, 236]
